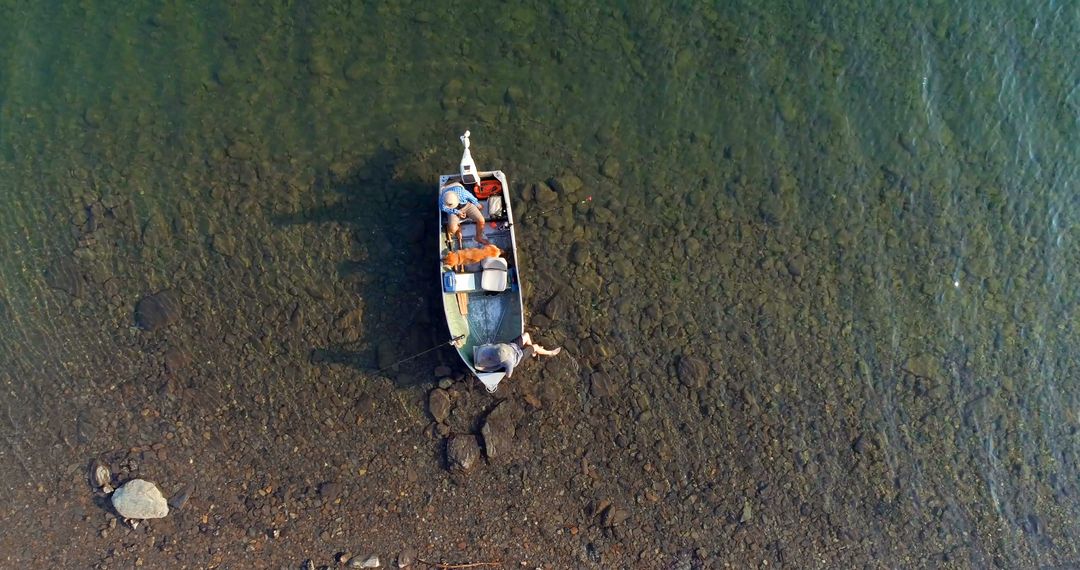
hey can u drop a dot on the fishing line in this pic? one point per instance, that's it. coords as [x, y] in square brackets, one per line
[421, 353]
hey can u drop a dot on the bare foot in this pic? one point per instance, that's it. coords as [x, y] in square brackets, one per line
[541, 351]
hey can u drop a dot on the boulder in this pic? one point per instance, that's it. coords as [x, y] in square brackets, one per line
[498, 431]
[139, 499]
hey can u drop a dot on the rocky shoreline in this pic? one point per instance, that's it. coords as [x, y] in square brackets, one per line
[274, 449]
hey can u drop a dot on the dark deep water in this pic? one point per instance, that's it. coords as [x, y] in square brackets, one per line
[816, 269]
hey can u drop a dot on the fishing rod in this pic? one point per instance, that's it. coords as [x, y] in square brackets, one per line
[421, 353]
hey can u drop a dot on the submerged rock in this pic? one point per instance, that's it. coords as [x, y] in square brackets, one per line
[65, 276]
[614, 516]
[567, 185]
[439, 404]
[369, 562]
[498, 431]
[180, 498]
[610, 168]
[601, 385]
[544, 194]
[157, 311]
[462, 453]
[139, 499]
[693, 371]
[406, 557]
[101, 476]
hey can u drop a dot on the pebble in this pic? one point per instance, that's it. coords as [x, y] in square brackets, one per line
[139, 499]
[445, 383]
[101, 475]
[180, 498]
[406, 556]
[614, 516]
[329, 491]
[369, 562]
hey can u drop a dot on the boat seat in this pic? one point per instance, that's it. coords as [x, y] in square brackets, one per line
[493, 277]
[454, 282]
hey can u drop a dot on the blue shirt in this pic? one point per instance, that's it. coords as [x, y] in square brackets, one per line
[464, 197]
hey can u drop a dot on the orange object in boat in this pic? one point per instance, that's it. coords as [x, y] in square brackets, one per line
[487, 189]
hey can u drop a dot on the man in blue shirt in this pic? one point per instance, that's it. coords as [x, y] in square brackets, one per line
[458, 204]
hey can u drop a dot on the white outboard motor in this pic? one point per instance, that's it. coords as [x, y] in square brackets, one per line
[469, 175]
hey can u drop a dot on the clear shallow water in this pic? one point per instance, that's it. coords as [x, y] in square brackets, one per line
[861, 218]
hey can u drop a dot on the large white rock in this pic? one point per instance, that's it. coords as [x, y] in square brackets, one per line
[138, 499]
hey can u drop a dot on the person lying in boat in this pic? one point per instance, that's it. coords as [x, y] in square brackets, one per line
[458, 204]
[506, 355]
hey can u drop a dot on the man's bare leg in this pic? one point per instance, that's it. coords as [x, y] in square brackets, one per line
[541, 351]
[474, 214]
[526, 340]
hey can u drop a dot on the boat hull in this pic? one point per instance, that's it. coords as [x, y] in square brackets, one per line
[477, 316]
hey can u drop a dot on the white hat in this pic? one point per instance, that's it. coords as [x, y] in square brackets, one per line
[450, 199]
